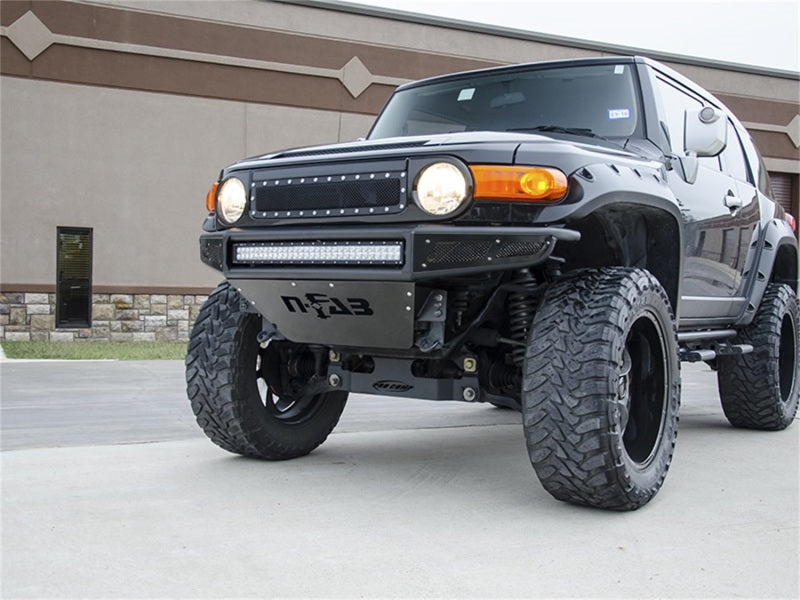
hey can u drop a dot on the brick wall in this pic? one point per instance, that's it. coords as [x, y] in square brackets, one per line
[115, 317]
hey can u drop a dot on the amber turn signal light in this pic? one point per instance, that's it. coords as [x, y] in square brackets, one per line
[525, 184]
[211, 197]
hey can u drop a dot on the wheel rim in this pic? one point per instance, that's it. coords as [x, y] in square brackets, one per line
[643, 390]
[292, 409]
[787, 358]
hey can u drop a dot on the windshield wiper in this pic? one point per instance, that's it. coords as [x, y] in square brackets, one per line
[586, 132]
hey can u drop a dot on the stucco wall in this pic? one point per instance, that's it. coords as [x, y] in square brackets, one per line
[135, 167]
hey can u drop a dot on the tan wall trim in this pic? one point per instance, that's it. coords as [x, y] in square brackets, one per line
[779, 165]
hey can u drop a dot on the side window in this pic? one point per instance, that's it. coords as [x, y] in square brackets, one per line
[676, 102]
[733, 159]
[757, 168]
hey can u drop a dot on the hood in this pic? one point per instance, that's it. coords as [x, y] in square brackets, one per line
[565, 151]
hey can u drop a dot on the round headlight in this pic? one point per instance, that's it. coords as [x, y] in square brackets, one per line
[441, 189]
[231, 200]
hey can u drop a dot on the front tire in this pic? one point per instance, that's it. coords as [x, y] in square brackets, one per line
[601, 388]
[248, 400]
[760, 390]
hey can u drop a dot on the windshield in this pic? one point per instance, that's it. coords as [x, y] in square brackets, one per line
[598, 100]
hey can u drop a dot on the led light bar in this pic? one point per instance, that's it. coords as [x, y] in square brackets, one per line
[319, 253]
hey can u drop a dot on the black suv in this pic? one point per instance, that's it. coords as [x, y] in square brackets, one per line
[552, 237]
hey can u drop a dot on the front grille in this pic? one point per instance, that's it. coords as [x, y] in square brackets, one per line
[333, 195]
[372, 190]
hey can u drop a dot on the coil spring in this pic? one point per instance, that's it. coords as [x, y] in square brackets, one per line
[521, 307]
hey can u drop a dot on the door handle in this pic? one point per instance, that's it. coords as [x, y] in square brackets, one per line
[733, 201]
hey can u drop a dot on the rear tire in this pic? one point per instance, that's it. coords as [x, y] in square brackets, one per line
[760, 390]
[243, 396]
[601, 388]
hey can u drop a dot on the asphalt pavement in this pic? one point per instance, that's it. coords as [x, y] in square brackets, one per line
[110, 490]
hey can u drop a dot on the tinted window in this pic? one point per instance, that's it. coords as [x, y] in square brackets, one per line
[757, 167]
[733, 157]
[600, 98]
[676, 102]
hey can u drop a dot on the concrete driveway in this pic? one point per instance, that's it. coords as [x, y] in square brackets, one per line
[110, 490]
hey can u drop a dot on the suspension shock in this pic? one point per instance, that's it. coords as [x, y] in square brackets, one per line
[521, 306]
[459, 303]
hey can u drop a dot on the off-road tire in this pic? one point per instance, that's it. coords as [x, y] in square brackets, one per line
[760, 390]
[578, 384]
[222, 385]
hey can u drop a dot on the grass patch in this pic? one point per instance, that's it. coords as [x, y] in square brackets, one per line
[96, 350]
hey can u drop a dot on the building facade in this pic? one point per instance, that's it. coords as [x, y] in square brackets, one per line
[116, 116]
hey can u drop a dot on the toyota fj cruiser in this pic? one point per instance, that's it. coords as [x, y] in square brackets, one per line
[551, 237]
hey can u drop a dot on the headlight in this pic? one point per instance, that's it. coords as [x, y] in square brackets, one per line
[231, 200]
[441, 188]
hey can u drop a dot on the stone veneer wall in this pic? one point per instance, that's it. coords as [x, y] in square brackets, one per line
[115, 318]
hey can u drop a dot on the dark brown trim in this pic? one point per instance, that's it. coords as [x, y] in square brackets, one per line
[760, 110]
[195, 35]
[72, 64]
[154, 74]
[44, 288]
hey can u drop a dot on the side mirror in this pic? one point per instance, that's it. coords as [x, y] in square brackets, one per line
[706, 131]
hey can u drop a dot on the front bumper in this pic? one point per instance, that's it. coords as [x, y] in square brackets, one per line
[420, 251]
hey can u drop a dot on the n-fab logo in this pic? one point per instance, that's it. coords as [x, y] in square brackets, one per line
[326, 306]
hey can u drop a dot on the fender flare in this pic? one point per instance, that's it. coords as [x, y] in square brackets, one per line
[775, 234]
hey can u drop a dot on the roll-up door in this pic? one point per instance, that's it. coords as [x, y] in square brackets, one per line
[783, 190]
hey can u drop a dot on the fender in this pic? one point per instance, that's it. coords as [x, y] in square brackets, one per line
[773, 236]
[614, 192]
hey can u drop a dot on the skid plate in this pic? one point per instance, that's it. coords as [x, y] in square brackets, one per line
[336, 313]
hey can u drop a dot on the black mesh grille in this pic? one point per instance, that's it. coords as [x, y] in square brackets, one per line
[439, 253]
[510, 249]
[458, 252]
[328, 195]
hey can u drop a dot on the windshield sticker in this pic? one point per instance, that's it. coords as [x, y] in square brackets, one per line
[619, 113]
[619, 69]
[466, 94]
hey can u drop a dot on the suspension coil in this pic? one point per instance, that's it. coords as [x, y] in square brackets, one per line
[521, 306]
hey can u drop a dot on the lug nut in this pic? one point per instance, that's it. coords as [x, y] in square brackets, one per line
[334, 356]
[470, 364]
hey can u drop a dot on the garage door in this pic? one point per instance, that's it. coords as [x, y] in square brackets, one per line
[783, 190]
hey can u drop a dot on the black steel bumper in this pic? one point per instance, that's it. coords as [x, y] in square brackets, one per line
[426, 251]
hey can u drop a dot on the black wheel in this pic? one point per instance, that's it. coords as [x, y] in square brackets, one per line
[760, 390]
[601, 388]
[264, 403]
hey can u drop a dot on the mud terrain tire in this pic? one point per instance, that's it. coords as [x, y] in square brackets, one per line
[231, 383]
[760, 390]
[601, 388]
